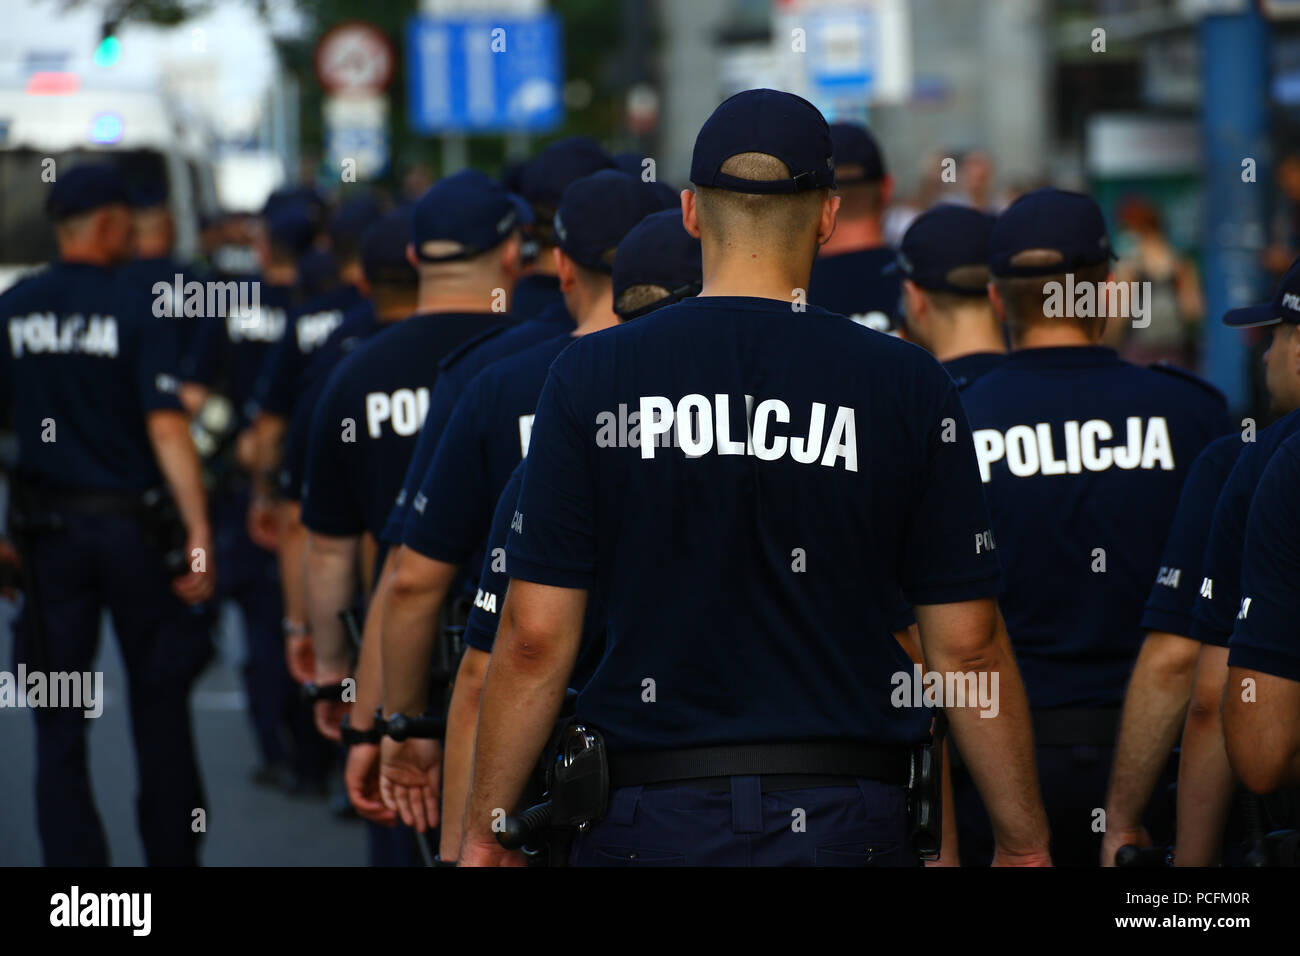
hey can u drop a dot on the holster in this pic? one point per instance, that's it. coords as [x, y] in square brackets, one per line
[165, 530]
[925, 791]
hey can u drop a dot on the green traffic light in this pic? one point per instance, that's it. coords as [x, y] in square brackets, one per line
[108, 52]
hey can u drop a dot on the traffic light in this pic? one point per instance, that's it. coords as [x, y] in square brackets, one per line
[109, 50]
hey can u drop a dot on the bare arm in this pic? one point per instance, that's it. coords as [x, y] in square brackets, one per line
[1262, 729]
[370, 669]
[331, 586]
[537, 643]
[1205, 781]
[169, 434]
[458, 755]
[410, 624]
[1155, 706]
[966, 637]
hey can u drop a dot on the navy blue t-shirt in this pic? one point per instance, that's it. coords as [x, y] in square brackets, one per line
[458, 371]
[1083, 457]
[358, 324]
[966, 370]
[1267, 633]
[157, 271]
[749, 571]
[364, 427]
[309, 327]
[485, 615]
[486, 437]
[230, 350]
[534, 294]
[1220, 588]
[1169, 607]
[854, 284]
[86, 361]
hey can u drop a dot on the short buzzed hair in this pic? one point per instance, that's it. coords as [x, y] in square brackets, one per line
[779, 216]
[638, 297]
[1024, 297]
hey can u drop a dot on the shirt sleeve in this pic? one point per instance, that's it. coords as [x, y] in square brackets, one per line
[441, 404]
[485, 616]
[157, 357]
[1173, 595]
[452, 511]
[948, 550]
[1219, 590]
[553, 531]
[1266, 638]
[204, 360]
[330, 503]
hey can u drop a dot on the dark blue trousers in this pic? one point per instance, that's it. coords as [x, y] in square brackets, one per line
[679, 825]
[97, 562]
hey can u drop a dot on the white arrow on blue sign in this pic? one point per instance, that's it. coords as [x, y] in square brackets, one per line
[484, 75]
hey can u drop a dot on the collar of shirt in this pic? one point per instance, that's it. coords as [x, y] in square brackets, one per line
[1063, 357]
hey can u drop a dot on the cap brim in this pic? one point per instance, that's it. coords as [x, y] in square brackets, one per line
[1251, 316]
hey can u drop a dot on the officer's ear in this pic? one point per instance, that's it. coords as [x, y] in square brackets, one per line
[886, 191]
[510, 255]
[565, 272]
[411, 258]
[826, 226]
[914, 305]
[690, 215]
[999, 306]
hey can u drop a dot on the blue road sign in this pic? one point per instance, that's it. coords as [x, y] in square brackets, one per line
[484, 75]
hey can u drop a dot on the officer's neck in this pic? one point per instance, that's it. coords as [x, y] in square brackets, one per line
[596, 313]
[966, 332]
[854, 235]
[280, 274]
[1052, 336]
[86, 253]
[431, 301]
[757, 275]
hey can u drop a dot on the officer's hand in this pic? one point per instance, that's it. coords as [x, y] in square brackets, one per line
[410, 780]
[246, 449]
[197, 586]
[476, 852]
[300, 655]
[328, 715]
[1123, 836]
[263, 523]
[1031, 858]
[361, 777]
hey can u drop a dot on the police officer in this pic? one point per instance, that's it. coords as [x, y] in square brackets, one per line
[153, 261]
[849, 275]
[1082, 457]
[1263, 729]
[537, 301]
[486, 437]
[1205, 780]
[774, 440]
[1161, 686]
[90, 376]
[464, 243]
[943, 260]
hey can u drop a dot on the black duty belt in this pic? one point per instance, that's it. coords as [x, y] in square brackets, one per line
[126, 503]
[818, 758]
[1076, 726]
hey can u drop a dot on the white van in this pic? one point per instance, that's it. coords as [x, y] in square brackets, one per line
[144, 132]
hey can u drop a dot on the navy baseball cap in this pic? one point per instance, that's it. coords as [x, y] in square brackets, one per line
[658, 251]
[943, 238]
[597, 211]
[468, 208]
[544, 178]
[778, 124]
[383, 250]
[857, 154]
[352, 218]
[1064, 222]
[292, 226]
[147, 193]
[1283, 307]
[84, 188]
